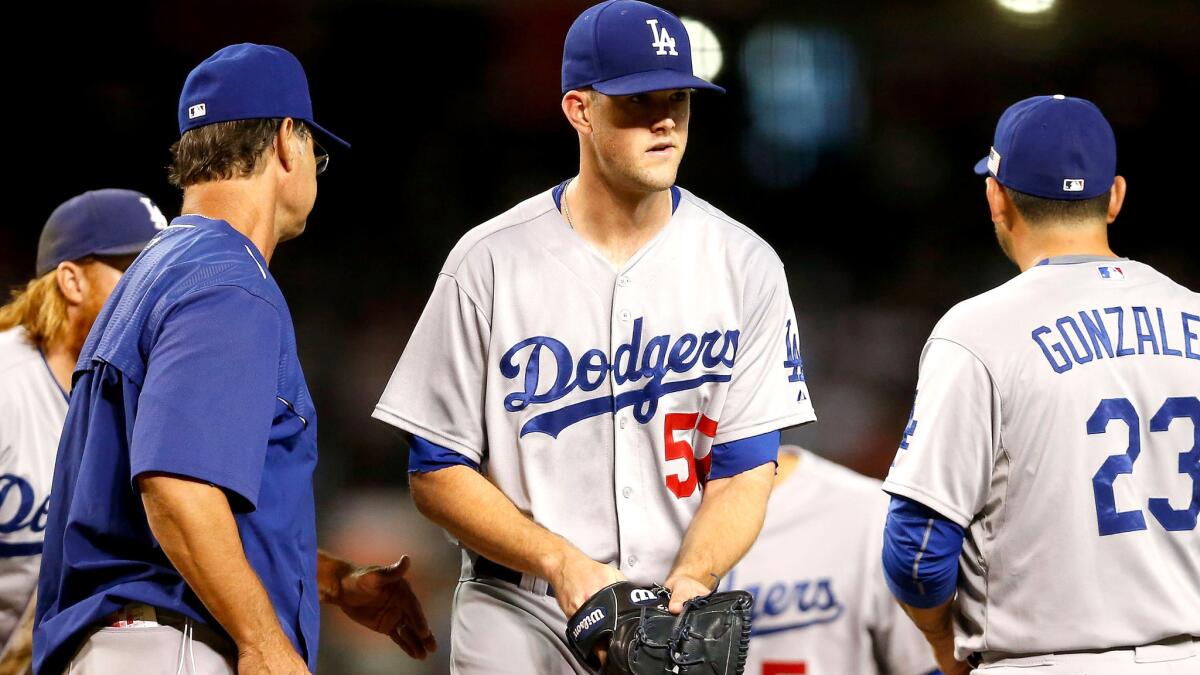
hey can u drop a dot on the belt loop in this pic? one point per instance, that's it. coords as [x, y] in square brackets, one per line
[534, 585]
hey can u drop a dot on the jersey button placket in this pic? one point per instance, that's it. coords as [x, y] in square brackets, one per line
[624, 441]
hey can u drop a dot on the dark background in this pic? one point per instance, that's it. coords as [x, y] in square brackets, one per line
[846, 140]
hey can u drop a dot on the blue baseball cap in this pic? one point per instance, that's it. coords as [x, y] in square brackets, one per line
[623, 47]
[1055, 147]
[101, 222]
[245, 82]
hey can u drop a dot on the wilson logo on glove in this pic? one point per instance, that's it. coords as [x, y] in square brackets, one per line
[588, 621]
[710, 636]
[642, 596]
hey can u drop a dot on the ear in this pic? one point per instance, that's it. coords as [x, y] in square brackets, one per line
[577, 107]
[999, 204]
[285, 149]
[72, 282]
[1116, 198]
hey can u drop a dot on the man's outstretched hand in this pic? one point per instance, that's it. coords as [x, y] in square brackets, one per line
[381, 599]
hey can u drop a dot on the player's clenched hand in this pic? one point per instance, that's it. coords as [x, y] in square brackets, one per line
[381, 599]
[684, 588]
[579, 578]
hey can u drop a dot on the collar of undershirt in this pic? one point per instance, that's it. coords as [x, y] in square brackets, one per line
[557, 194]
[1076, 259]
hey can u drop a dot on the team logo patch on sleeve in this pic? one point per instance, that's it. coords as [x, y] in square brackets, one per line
[793, 362]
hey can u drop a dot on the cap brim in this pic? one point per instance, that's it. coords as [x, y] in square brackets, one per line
[981, 167]
[327, 134]
[653, 80]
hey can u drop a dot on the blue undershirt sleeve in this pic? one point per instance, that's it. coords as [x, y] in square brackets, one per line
[424, 457]
[730, 459]
[920, 554]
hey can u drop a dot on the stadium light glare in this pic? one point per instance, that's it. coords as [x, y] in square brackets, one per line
[1027, 6]
[707, 56]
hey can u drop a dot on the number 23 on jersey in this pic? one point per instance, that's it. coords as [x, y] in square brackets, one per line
[1178, 410]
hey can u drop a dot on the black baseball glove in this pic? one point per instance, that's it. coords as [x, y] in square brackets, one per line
[642, 637]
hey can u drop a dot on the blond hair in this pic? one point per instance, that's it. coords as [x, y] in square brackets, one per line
[40, 308]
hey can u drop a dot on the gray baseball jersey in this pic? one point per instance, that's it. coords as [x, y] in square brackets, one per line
[1057, 418]
[32, 410]
[592, 396]
[821, 606]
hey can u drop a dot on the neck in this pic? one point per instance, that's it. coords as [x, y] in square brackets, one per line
[615, 220]
[61, 358]
[246, 204]
[1040, 244]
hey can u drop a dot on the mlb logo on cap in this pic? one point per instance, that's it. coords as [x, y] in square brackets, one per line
[198, 110]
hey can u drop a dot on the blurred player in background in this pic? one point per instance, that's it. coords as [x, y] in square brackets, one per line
[181, 536]
[85, 246]
[596, 386]
[821, 606]
[1051, 467]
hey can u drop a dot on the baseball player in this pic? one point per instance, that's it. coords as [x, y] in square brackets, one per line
[181, 535]
[820, 604]
[85, 246]
[596, 386]
[1050, 471]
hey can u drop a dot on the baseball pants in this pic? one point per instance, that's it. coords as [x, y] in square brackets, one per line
[1179, 656]
[500, 629]
[154, 650]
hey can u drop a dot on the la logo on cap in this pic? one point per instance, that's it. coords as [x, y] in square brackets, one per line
[662, 40]
[198, 110]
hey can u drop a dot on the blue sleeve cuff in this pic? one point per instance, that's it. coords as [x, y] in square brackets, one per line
[730, 459]
[424, 457]
[920, 554]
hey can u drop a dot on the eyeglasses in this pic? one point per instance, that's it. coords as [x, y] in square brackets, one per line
[322, 156]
